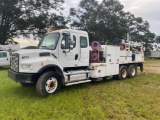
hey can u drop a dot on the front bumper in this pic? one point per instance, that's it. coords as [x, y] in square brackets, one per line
[21, 77]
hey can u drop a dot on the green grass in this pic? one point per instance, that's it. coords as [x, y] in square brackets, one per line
[137, 98]
[148, 60]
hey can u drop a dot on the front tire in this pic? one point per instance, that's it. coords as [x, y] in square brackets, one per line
[48, 83]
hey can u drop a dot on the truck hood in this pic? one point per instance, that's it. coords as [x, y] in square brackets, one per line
[27, 51]
[33, 53]
[37, 58]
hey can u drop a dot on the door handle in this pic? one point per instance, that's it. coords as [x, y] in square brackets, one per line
[76, 56]
[7, 58]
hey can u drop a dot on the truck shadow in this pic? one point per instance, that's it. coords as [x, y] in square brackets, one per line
[86, 85]
[25, 92]
[30, 92]
[4, 68]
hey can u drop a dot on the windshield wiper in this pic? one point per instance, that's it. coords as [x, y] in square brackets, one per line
[43, 47]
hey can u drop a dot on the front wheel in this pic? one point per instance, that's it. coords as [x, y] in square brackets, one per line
[48, 83]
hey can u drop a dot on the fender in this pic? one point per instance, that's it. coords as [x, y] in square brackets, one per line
[52, 67]
[52, 64]
[49, 66]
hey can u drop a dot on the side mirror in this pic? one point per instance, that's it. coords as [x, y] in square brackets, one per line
[71, 44]
[71, 47]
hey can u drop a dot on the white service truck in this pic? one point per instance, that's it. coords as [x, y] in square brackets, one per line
[4, 58]
[64, 57]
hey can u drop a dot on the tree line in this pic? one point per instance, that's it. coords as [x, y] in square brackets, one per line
[104, 21]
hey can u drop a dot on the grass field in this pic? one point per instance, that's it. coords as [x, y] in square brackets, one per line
[137, 98]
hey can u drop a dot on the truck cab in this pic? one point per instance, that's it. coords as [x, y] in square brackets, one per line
[62, 58]
[67, 46]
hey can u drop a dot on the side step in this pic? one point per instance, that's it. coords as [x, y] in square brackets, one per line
[75, 83]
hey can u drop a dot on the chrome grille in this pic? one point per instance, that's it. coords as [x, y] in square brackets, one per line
[15, 62]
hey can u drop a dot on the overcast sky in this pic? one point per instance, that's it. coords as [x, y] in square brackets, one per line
[149, 10]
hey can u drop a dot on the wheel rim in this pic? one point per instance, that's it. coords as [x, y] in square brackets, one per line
[124, 73]
[51, 85]
[133, 71]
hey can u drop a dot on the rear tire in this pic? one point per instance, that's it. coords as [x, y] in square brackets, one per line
[48, 83]
[132, 71]
[122, 72]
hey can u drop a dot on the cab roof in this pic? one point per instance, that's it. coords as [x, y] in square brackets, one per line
[71, 30]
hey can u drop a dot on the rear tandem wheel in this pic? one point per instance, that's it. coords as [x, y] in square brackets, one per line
[132, 71]
[122, 72]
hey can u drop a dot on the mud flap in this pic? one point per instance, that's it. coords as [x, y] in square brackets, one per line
[141, 67]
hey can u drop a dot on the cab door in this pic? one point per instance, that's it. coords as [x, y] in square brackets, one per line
[69, 57]
[84, 50]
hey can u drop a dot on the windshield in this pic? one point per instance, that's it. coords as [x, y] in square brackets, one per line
[49, 41]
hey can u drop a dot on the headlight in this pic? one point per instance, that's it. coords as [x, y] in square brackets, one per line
[30, 67]
[24, 66]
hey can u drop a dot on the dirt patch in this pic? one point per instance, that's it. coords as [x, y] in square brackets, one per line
[152, 67]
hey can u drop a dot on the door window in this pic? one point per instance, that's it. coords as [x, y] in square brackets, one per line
[3, 55]
[74, 39]
[65, 42]
[83, 42]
